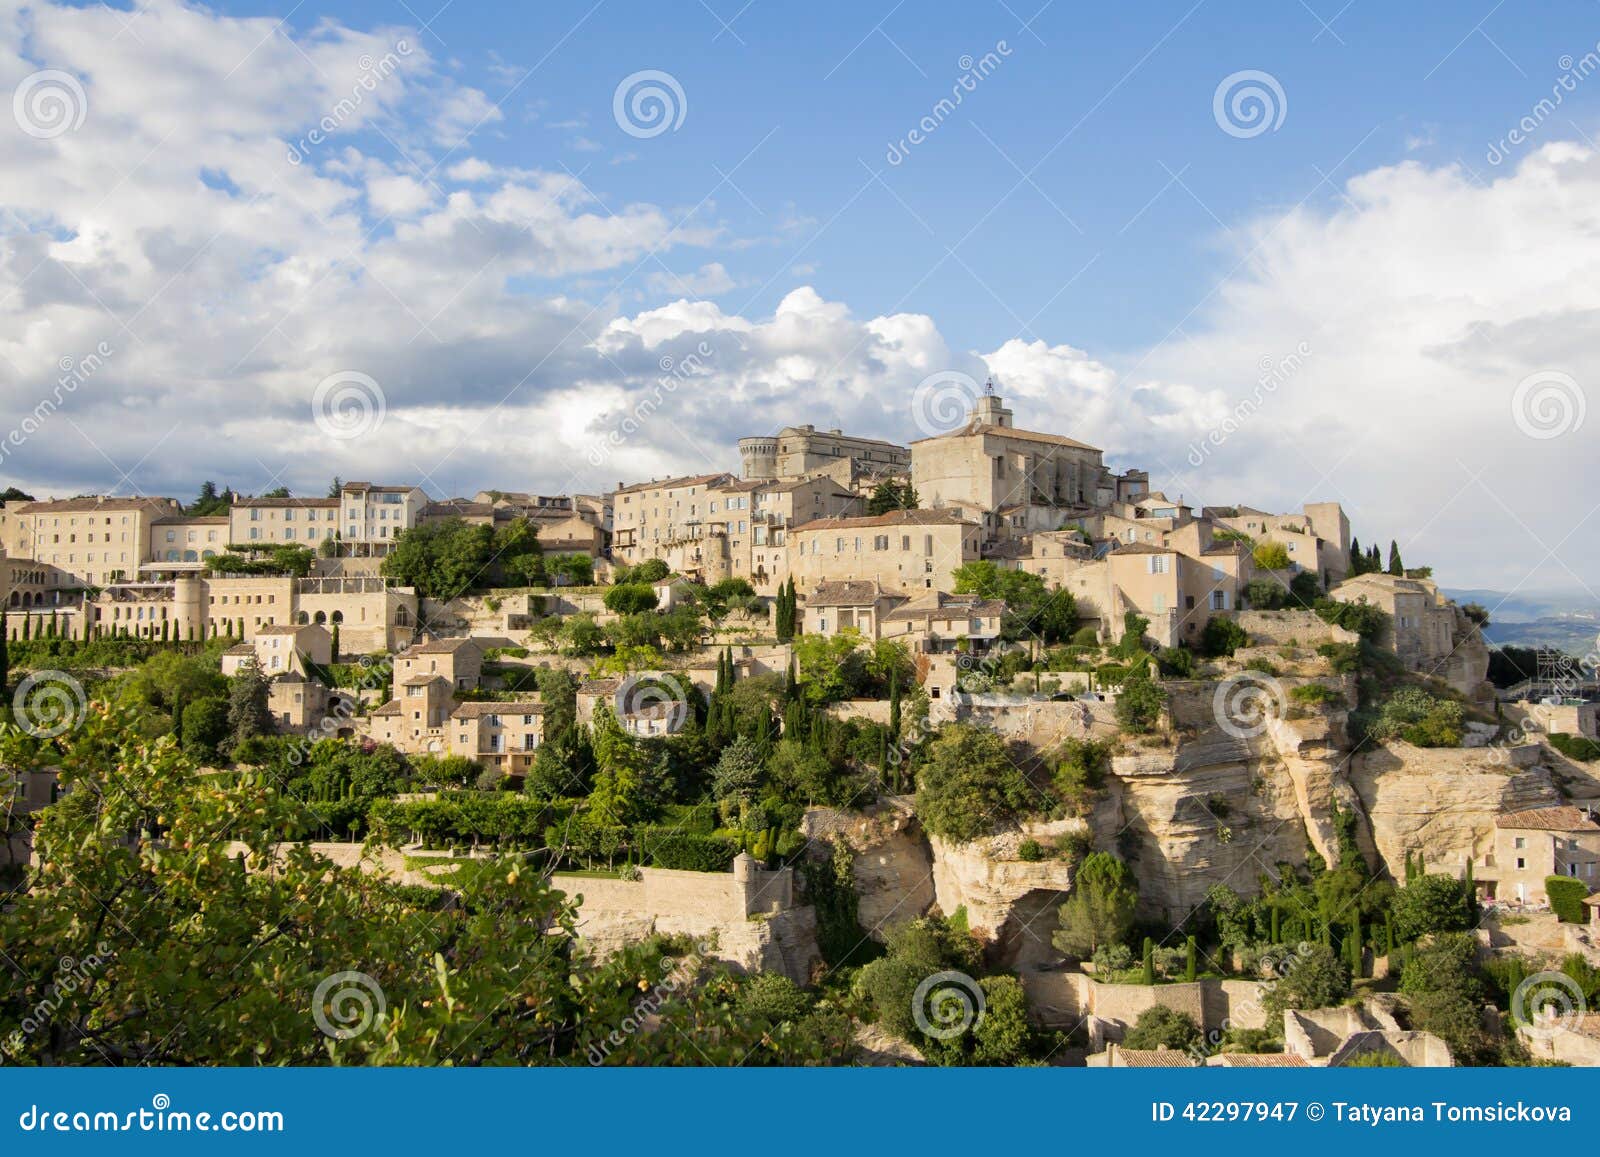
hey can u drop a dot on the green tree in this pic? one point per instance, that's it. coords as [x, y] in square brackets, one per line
[631, 598]
[1315, 978]
[739, 772]
[1140, 702]
[443, 560]
[1098, 912]
[890, 495]
[205, 728]
[247, 704]
[1159, 1026]
[1396, 567]
[1432, 903]
[969, 784]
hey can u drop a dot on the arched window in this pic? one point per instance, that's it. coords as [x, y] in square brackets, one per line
[302, 618]
[321, 618]
[337, 617]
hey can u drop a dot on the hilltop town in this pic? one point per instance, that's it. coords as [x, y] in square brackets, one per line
[971, 750]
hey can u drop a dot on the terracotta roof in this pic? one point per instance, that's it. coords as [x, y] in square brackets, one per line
[91, 505]
[674, 483]
[240, 649]
[203, 520]
[457, 508]
[973, 429]
[847, 593]
[893, 518]
[436, 647]
[599, 686]
[1261, 1061]
[1549, 819]
[297, 503]
[280, 629]
[476, 709]
[1152, 1058]
[390, 708]
[940, 603]
[1142, 548]
[422, 680]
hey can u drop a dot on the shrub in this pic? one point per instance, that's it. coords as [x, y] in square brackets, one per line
[969, 784]
[1098, 912]
[631, 598]
[1222, 637]
[1030, 851]
[772, 996]
[1576, 747]
[1433, 903]
[1159, 1025]
[1344, 658]
[688, 853]
[1271, 556]
[1139, 705]
[1176, 662]
[1086, 637]
[1074, 846]
[1266, 594]
[1566, 898]
[1312, 694]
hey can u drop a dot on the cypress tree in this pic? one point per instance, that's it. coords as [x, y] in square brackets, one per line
[1149, 961]
[53, 624]
[335, 645]
[166, 628]
[894, 701]
[1191, 951]
[791, 685]
[1356, 558]
[5, 658]
[27, 627]
[1353, 944]
[1276, 935]
[1395, 566]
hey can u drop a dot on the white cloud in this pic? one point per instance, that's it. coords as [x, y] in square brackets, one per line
[228, 281]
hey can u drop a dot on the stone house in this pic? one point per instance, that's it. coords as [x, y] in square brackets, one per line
[282, 648]
[902, 551]
[796, 451]
[85, 541]
[1531, 845]
[1430, 634]
[499, 735]
[254, 522]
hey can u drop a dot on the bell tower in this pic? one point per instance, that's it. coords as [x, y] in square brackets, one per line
[988, 410]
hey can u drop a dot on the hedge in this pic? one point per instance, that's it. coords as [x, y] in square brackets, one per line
[1566, 898]
[686, 852]
[1576, 747]
[466, 816]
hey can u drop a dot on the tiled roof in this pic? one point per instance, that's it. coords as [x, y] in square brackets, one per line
[1549, 819]
[297, 503]
[240, 649]
[893, 518]
[436, 647]
[847, 593]
[599, 686]
[675, 483]
[422, 680]
[476, 709]
[1261, 1061]
[1153, 1058]
[93, 505]
[972, 429]
[1142, 548]
[390, 708]
[940, 603]
[185, 520]
[280, 629]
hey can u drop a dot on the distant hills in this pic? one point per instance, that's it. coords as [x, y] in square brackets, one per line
[1566, 620]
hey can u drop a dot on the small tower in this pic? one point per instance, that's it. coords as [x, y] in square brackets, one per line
[988, 410]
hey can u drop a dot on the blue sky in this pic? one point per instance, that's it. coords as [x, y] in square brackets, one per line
[438, 216]
[1093, 141]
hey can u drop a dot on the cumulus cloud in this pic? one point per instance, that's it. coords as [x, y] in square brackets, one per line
[232, 222]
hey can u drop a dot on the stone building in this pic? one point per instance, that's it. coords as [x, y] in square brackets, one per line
[1430, 634]
[281, 649]
[1532, 845]
[85, 541]
[796, 451]
[1317, 539]
[902, 551]
[1011, 481]
[260, 522]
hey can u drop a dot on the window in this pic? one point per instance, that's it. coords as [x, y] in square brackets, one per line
[1158, 563]
[1219, 600]
[880, 542]
[1521, 863]
[1519, 842]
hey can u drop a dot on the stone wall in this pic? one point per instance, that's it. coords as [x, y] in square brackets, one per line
[1302, 628]
[1062, 999]
[746, 918]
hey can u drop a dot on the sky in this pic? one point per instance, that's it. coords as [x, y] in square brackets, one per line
[1270, 253]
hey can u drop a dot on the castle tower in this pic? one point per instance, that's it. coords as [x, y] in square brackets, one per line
[759, 458]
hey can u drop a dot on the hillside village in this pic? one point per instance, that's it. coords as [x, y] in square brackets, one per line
[1137, 781]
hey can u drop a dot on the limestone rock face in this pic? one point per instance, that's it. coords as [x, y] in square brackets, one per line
[1214, 810]
[1010, 901]
[1443, 801]
[890, 860]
